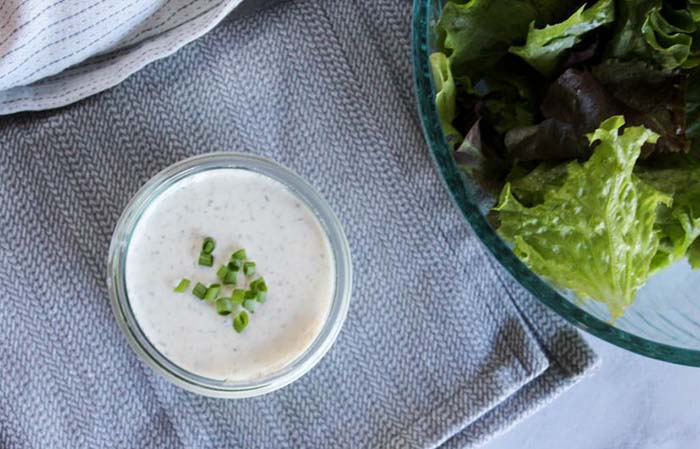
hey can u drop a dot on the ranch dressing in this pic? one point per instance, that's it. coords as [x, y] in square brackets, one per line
[239, 209]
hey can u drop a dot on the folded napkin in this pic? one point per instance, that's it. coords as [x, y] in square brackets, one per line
[55, 52]
[440, 349]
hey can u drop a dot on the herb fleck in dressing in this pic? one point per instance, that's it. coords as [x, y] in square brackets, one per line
[243, 209]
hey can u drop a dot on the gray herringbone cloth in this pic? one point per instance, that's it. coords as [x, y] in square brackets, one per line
[440, 347]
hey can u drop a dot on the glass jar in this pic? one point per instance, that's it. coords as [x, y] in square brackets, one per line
[116, 279]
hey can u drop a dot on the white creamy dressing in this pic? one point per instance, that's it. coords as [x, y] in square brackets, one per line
[239, 209]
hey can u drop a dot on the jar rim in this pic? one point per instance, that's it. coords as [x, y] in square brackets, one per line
[128, 324]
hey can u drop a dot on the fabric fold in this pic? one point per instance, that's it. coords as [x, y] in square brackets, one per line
[55, 53]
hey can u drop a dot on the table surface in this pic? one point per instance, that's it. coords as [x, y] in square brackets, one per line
[632, 402]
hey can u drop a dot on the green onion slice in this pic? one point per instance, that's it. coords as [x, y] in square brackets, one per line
[238, 296]
[249, 268]
[206, 259]
[224, 306]
[228, 275]
[240, 322]
[212, 292]
[250, 305]
[259, 285]
[231, 278]
[222, 272]
[182, 286]
[208, 245]
[239, 255]
[199, 290]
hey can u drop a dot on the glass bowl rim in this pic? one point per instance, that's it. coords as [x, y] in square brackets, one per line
[147, 352]
[443, 159]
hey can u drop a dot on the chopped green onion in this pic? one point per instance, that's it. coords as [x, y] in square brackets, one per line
[259, 285]
[249, 299]
[239, 255]
[182, 286]
[208, 245]
[249, 268]
[238, 296]
[222, 272]
[224, 306]
[199, 290]
[231, 278]
[260, 288]
[212, 292]
[240, 322]
[250, 305]
[206, 259]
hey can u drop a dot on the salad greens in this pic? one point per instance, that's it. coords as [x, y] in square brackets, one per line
[678, 225]
[445, 98]
[669, 33]
[594, 233]
[585, 116]
[544, 48]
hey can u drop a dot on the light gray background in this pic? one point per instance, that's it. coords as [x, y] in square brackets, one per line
[633, 402]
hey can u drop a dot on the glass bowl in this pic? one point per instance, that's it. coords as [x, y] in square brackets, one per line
[663, 322]
[159, 362]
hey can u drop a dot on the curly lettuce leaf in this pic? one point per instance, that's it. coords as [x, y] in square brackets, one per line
[446, 97]
[694, 255]
[479, 157]
[678, 224]
[575, 104]
[531, 189]
[507, 100]
[679, 227]
[477, 33]
[655, 31]
[694, 9]
[474, 63]
[579, 100]
[652, 98]
[670, 37]
[627, 41]
[594, 234]
[546, 48]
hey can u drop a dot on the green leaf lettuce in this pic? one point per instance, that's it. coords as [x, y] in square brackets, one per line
[545, 47]
[479, 32]
[594, 234]
[678, 224]
[446, 97]
[655, 31]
